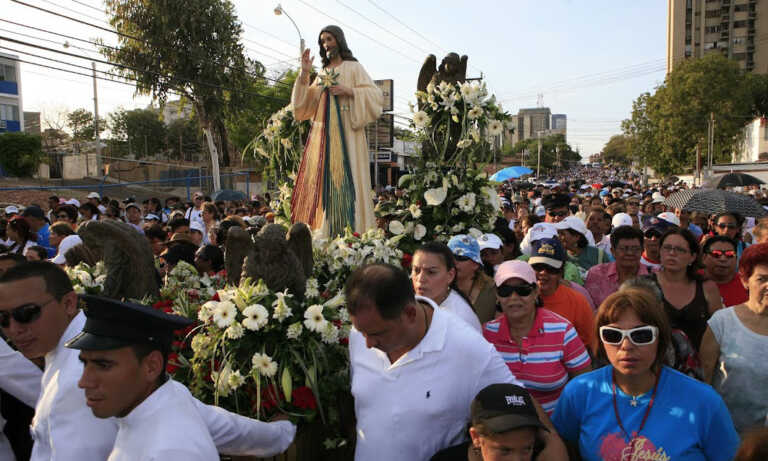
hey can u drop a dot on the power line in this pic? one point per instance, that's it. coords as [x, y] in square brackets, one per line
[57, 34]
[136, 69]
[358, 31]
[89, 6]
[74, 11]
[46, 40]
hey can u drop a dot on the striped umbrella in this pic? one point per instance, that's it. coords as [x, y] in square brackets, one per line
[715, 201]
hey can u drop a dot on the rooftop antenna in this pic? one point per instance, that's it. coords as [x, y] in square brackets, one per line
[540, 100]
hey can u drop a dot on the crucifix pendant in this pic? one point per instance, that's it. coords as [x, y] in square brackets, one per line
[633, 402]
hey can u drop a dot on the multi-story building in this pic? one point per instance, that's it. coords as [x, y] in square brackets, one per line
[11, 112]
[735, 28]
[528, 123]
[560, 124]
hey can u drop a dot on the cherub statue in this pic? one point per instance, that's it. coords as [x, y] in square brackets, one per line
[452, 69]
[127, 257]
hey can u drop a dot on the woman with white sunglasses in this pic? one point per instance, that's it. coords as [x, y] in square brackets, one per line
[638, 408]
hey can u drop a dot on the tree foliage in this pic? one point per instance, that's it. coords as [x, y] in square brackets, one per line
[551, 146]
[20, 153]
[184, 138]
[80, 122]
[667, 126]
[616, 150]
[138, 131]
[187, 46]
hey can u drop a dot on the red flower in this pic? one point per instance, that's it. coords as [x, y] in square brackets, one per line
[164, 306]
[215, 297]
[326, 294]
[356, 234]
[172, 365]
[344, 341]
[406, 260]
[304, 399]
[270, 397]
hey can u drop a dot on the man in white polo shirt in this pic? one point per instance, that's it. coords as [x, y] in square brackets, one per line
[415, 369]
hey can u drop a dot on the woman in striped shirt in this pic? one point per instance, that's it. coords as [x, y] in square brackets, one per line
[541, 348]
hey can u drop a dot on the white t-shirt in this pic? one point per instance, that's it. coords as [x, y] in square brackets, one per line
[411, 409]
[456, 305]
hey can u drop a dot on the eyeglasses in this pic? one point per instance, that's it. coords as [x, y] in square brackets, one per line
[674, 250]
[640, 336]
[461, 258]
[506, 291]
[717, 254]
[557, 214]
[723, 225]
[545, 268]
[630, 249]
[26, 313]
[652, 234]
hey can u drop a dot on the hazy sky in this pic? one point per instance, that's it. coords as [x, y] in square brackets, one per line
[589, 59]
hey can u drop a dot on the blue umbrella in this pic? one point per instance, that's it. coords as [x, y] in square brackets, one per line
[510, 172]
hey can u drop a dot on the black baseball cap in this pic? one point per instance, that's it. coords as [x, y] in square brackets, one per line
[33, 211]
[113, 324]
[504, 407]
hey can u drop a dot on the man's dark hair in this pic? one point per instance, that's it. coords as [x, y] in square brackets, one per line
[385, 286]
[213, 254]
[142, 350]
[180, 252]
[739, 218]
[54, 197]
[341, 45]
[718, 238]
[176, 223]
[57, 282]
[155, 231]
[18, 258]
[626, 233]
[555, 201]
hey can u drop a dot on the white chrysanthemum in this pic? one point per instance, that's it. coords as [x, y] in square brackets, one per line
[421, 119]
[224, 314]
[329, 334]
[495, 127]
[281, 309]
[235, 380]
[264, 365]
[256, 316]
[314, 319]
[226, 295]
[464, 143]
[457, 228]
[294, 330]
[234, 331]
[396, 227]
[419, 232]
[475, 113]
[466, 202]
[415, 211]
[85, 278]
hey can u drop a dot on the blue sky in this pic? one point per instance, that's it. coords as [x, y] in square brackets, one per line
[589, 59]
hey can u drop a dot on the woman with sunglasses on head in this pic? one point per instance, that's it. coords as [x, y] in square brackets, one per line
[729, 224]
[433, 273]
[66, 213]
[688, 300]
[541, 348]
[471, 280]
[637, 408]
[735, 346]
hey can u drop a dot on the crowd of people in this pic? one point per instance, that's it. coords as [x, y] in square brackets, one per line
[594, 322]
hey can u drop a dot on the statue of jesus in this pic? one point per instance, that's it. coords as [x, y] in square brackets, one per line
[333, 185]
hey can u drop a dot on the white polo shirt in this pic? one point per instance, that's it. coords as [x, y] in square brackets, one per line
[456, 305]
[411, 409]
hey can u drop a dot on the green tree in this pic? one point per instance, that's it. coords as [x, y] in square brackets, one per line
[191, 47]
[139, 131]
[184, 138]
[20, 153]
[553, 149]
[640, 131]
[52, 137]
[80, 122]
[617, 150]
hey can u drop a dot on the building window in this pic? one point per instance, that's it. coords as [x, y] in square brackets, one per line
[9, 112]
[712, 29]
[710, 45]
[738, 24]
[739, 56]
[740, 7]
[738, 41]
[712, 14]
[7, 72]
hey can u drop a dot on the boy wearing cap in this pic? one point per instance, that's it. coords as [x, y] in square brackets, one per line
[133, 217]
[124, 350]
[504, 426]
[39, 313]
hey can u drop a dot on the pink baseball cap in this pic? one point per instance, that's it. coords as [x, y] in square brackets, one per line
[514, 269]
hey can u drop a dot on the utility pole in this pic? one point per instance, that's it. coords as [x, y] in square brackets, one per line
[698, 165]
[538, 161]
[376, 156]
[711, 155]
[95, 126]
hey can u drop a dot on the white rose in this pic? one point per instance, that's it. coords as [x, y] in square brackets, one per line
[396, 227]
[419, 232]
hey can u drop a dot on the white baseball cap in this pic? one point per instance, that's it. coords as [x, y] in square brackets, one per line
[94, 195]
[576, 224]
[656, 197]
[538, 231]
[196, 226]
[669, 217]
[73, 201]
[489, 241]
[65, 245]
[11, 209]
[151, 216]
[621, 219]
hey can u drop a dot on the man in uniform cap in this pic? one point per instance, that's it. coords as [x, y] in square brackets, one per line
[124, 350]
[39, 312]
[556, 207]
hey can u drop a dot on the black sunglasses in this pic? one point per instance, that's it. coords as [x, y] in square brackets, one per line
[26, 313]
[544, 267]
[728, 225]
[652, 234]
[522, 290]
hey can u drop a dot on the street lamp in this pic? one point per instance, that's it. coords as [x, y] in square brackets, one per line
[280, 11]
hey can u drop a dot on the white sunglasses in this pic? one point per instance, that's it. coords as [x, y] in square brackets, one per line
[640, 336]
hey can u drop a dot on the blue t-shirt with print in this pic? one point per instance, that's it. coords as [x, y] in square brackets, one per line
[688, 420]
